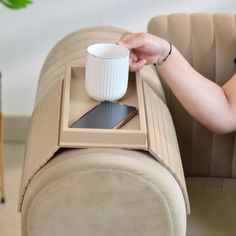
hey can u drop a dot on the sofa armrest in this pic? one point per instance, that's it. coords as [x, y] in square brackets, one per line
[103, 191]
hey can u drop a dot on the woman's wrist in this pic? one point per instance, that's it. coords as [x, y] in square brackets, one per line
[165, 53]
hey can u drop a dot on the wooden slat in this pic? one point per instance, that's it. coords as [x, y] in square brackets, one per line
[43, 135]
[162, 140]
[150, 76]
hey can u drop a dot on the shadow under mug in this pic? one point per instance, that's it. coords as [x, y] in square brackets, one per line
[107, 70]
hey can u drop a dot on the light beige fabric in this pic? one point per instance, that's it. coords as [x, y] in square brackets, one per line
[100, 191]
[162, 143]
[208, 42]
[103, 192]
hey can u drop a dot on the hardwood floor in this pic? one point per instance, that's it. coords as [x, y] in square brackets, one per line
[13, 161]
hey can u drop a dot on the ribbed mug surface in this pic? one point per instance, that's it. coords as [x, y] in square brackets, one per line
[107, 69]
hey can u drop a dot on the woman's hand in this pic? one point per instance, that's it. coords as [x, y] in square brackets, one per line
[144, 49]
[210, 104]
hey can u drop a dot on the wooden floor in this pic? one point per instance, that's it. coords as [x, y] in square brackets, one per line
[9, 217]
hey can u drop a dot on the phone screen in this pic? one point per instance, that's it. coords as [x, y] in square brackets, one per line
[106, 115]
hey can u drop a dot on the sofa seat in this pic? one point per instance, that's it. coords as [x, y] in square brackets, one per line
[213, 206]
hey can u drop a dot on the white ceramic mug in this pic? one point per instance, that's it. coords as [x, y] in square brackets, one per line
[107, 70]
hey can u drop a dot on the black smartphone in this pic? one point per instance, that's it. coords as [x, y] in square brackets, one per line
[106, 115]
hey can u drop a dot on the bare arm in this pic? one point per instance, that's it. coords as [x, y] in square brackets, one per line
[212, 105]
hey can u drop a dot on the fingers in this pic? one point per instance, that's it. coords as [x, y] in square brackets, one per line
[132, 41]
[133, 56]
[126, 36]
[137, 65]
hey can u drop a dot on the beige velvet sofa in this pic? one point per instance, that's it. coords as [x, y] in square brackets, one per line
[117, 191]
[208, 42]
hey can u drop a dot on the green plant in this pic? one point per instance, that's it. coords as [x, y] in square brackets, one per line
[16, 4]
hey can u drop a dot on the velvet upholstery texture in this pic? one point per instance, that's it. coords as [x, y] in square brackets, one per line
[99, 191]
[103, 192]
[208, 42]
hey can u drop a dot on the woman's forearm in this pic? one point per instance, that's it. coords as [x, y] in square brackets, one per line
[202, 98]
[213, 106]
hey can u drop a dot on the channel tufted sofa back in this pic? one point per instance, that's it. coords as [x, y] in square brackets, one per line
[208, 42]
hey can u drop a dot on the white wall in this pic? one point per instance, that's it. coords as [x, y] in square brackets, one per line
[28, 35]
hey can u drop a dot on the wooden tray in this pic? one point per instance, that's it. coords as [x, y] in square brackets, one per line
[76, 102]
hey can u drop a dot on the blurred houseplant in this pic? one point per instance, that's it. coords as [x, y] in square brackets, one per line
[16, 4]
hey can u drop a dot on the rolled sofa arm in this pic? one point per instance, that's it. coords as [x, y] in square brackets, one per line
[103, 192]
[100, 191]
